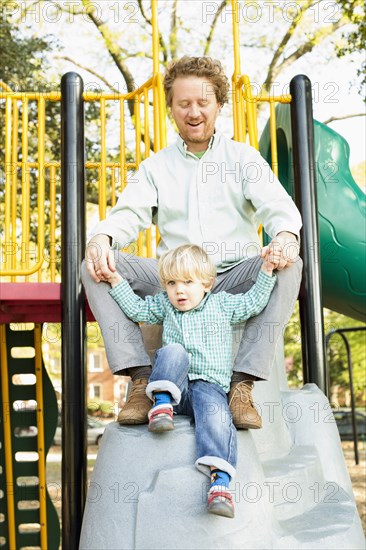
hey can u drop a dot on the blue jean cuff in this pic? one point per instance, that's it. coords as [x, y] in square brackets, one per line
[164, 385]
[204, 464]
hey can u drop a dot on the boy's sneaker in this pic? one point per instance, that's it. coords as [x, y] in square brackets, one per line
[245, 415]
[161, 418]
[220, 501]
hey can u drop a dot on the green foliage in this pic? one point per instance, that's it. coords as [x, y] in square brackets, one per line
[99, 408]
[25, 67]
[292, 340]
[354, 40]
[23, 60]
[336, 356]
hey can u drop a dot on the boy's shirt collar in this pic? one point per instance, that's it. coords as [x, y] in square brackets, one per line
[202, 303]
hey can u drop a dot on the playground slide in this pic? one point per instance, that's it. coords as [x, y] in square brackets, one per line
[341, 207]
[292, 488]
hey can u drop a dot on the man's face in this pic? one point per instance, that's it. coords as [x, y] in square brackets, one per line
[194, 109]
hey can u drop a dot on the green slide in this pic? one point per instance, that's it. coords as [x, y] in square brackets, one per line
[341, 209]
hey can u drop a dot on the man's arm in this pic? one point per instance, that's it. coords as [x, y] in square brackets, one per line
[275, 209]
[132, 213]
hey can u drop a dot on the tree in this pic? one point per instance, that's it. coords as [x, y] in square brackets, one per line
[354, 40]
[279, 33]
[24, 61]
[297, 29]
[25, 66]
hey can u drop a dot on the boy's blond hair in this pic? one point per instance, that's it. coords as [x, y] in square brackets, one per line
[186, 262]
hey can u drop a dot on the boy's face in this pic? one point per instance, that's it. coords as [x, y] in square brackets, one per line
[186, 295]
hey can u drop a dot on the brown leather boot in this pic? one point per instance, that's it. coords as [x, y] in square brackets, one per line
[137, 405]
[245, 415]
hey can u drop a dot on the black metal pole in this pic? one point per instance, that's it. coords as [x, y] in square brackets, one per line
[73, 314]
[311, 311]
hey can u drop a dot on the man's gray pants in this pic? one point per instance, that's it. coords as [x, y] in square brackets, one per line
[123, 340]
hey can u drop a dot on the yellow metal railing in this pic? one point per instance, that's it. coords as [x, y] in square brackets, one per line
[29, 246]
[15, 254]
[244, 89]
[19, 257]
[245, 103]
[29, 238]
[142, 127]
[245, 112]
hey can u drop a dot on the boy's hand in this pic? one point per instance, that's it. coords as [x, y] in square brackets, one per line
[114, 279]
[283, 250]
[268, 265]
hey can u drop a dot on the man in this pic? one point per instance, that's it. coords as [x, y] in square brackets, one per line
[214, 192]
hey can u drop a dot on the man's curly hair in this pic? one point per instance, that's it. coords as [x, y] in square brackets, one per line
[197, 66]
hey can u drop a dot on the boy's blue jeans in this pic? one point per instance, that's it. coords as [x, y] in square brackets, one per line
[205, 402]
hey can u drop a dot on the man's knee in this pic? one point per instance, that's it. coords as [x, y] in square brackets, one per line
[291, 275]
[297, 265]
[84, 273]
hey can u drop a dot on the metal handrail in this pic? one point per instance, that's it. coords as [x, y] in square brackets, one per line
[20, 168]
[341, 331]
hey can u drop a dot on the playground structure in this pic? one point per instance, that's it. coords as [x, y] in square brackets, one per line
[25, 298]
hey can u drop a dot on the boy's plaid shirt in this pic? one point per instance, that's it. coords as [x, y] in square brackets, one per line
[205, 331]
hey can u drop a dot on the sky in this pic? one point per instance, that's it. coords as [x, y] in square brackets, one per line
[333, 94]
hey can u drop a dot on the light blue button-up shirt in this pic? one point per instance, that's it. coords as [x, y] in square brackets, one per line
[216, 202]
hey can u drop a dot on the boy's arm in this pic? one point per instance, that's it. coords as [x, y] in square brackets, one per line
[242, 306]
[151, 310]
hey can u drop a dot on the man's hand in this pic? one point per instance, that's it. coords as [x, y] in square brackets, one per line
[100, 258]
[282, 251]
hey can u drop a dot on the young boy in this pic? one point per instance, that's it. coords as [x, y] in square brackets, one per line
[192, 370]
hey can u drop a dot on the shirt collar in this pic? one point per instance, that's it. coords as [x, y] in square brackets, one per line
[182, 146]
[202, 302]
